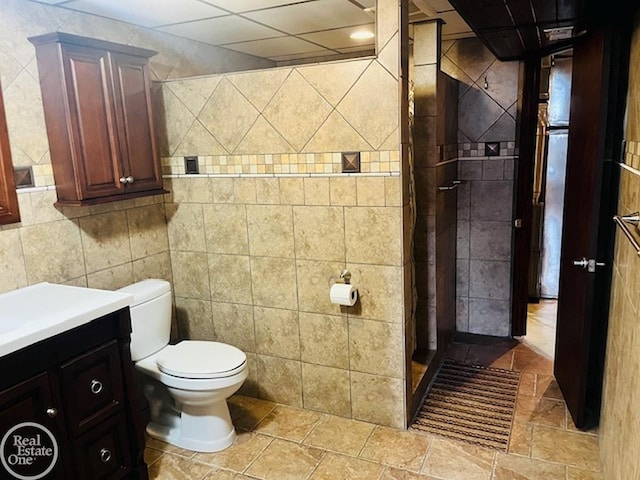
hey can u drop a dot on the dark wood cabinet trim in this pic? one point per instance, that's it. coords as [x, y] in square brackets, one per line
[9, 212]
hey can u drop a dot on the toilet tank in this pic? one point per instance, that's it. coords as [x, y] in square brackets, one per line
[150, 316]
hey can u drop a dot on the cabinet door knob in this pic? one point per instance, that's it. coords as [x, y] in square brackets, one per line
[130, 179]
[96, 386]
[105, 455]
[52, 412]
[123, 179]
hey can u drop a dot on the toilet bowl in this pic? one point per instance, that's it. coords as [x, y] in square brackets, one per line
[187, 384]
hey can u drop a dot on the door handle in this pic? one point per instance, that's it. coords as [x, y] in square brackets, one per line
[589, 264]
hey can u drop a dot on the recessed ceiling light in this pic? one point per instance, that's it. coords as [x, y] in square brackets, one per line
[361, 35]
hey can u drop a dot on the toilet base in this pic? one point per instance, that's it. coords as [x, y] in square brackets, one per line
[174, 437]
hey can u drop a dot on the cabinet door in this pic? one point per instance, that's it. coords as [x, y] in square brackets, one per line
[132, 87]
[29, 401]
[93, 388]
[93, 133]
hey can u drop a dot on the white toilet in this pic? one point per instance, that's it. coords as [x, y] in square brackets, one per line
[187, 384]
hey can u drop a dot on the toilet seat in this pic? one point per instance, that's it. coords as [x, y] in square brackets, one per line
[194, 359]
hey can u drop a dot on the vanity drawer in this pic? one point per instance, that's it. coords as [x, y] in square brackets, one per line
[103, 452]
[92, 387]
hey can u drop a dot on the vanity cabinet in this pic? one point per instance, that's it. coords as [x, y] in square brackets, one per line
[79, 385]
[97, 104]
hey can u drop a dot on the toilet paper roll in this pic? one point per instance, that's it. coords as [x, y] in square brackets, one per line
[343, 294]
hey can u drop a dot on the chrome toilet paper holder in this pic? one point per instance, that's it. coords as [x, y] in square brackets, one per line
[345, 276]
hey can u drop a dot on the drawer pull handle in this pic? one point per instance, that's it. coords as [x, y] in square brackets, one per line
[96, 387]
[52, 412]
[105, 455]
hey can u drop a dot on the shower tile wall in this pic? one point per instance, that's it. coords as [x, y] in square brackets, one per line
[487, 113]
[620, 424]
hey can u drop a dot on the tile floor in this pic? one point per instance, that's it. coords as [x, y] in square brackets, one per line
[541, 327]
[277, 442]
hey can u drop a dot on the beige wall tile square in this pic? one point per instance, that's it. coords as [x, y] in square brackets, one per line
[42, 207]
[226, 229]
[374, 235]
[324, 340]
[370, 191]
[342, 191]
[191, 190]
[268, 191]
[233, 324]
[190, 275]
[53, 252]
[313, 286]
[270, 230]
[273, 282]
[194, 319]
[230, 278]
[280, 380]
[185, 226]
[111, 278]
[251, 385]
[12, 261]
[326, 389]
[147, 230]
[393, 191]
[244, 190]
[376, 347]
[398, 448]
[319, 233]
[291, 191]
[277, 332]
[222, 190]
[316, 191]
[377, 399]
[340, 435]
[380, 292]
[105, 240]
[154, 266]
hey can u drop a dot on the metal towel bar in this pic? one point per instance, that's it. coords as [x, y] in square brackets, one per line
[453, 186]
[634, 219]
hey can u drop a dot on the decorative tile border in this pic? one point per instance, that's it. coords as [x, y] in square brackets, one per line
[632, 155]
[387, 161]
[507, 149]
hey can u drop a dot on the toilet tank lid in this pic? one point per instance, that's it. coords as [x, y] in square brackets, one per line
[146, 290]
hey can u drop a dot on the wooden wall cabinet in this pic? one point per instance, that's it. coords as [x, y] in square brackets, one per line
[97, 105]
[9, 212]
[80, 386]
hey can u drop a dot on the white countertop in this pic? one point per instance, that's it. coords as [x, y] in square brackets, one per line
[40, 311]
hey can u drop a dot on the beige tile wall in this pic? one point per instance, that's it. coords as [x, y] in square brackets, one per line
[254, 269]
[249, 257]
[620, 424]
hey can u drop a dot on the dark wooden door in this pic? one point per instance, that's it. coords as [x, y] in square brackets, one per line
[598, 86]
[132, 87]
[93, 118]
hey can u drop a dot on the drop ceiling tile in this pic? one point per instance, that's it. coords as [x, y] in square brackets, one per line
[277, 47]
[440, 5]
[148, 13]
[312, 16]
[222, 30]
[51, 2]
[320, 56]
[339, 38]
[238, 6]
[454, 24]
